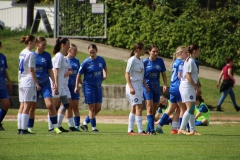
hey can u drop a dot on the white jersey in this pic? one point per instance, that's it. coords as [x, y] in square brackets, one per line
[136, 69]
[66, 69]
[26, 61]
[58, 61]
[189, 67]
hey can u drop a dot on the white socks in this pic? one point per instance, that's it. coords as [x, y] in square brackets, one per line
[192, 123]
[19, 117]
[175, 125]
[60, 119]
[24, 120]
[131, 121]
[70, 122]
[139, 123]
[185, 119]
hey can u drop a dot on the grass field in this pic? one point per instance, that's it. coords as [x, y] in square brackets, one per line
[217, 142]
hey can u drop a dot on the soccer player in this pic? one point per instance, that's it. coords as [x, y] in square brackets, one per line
[75, 65]
[43, 73]
[94, 70]
[28, 84]
[4, 97]
[59, 69]
[202, 114]
[189, 89]
[134, 91]
[175, 104]
[153, 66]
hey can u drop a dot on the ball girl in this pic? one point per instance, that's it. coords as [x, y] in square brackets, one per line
[189, 89]
[153, 66]
[134, 91]
[94, 70]
[4, 97]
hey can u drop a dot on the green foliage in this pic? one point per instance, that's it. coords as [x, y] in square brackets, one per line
[172, 23]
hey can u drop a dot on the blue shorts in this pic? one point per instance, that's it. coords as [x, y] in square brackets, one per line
[92, 95]
[74, 96]
[175, 97]
[46, 90]
[151, 95]
[4, 93]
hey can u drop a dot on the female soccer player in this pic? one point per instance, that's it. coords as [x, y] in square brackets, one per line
[28, 84]
[227, 84]
[189, 89]
[59, 69]
[153, 66]
[175, 104]
[202, 114]
[134, 91]
[43, 73]
[3, 87]
[94, 70]
[75, 65]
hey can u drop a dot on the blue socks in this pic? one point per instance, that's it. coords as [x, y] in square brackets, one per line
[198, 123]
[87, 120]
[2, 114]
[150, 126]
[77, 120]
[164, 119]
[93, 122]
[53, 119]
[30, 122]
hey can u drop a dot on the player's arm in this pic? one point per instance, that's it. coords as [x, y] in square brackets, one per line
[164, 77]
[230, 74]
[190, 80]
[104, 73]
[8, 80]
[55, 75]
[129, 83]
[33, 74]
[78, 80]
[219, 79]
[198, 115]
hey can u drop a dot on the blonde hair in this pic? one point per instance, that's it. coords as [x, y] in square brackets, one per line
[176, 53]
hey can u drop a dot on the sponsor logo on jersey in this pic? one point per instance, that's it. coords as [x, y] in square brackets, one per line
[100, 65]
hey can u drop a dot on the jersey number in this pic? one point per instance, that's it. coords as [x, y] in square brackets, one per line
[21, 65]
[173, 73]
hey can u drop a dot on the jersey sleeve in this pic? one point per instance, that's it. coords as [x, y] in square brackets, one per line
[49, 62]
[32, 60]
[129, 65]
[180, 67]
[189, 66]
[163, 66]
[82, 68]
[203, 109]
[57, 62]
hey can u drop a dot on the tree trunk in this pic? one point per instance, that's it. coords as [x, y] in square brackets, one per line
[30, 12]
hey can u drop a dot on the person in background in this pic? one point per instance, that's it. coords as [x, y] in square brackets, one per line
[153, 67]
[94, 69]
[202, 114]
[4, 97]
[227, 84]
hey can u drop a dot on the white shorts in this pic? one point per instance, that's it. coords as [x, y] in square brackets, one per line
[137, 98]
[27, 94]
[67, 91]
[188, 93]
[61, 93]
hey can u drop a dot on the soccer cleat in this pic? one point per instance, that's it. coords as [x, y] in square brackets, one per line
[19, 131]
[173, 131]
[143, 133]
[1, 127]
[25, 132]
[73, 129]
[30, 130]
[152, 133]
[237, 108]
[181, 131]
[84, 127]
[159, 130]
[95, 130]
[56, 130]
[193, 133]
[131, 133]
[62, 129]
[50, 130]
[78, 128]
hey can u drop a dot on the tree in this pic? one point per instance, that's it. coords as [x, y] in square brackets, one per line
[30, 12]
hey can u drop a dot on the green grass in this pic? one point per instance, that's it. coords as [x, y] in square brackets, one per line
[116, 70]
[217, 142]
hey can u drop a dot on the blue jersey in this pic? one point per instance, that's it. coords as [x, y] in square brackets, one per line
[43, 64]
[3, 67]
[177, 67]
[75, 64]
[152, 72]
[92, 69]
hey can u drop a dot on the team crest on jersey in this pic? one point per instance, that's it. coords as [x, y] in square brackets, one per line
[135, 100]
[75, 64]
[43, 60]
[157, 67]
[191, 97]
[2, 61]
[100, 65]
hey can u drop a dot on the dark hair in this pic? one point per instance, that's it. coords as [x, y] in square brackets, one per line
[152, 46]
[192, 47]
[199, 98]
[93, 46]
[57, 46]
[229, 59]
[138, 45]
[27, 39]
[40, 39]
